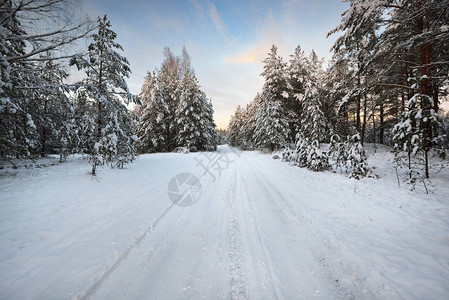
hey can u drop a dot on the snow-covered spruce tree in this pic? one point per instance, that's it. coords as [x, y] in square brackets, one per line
[272, 129]
[167, 100]
[275, 75]
[151, 129]
[106, 87]
[410, 134]
[301, 151]
[209, 136]
[337, 153]
[313, 121]
[317, 159]
[190, 116]
[249, 124]
[66, 137]
[53, 111]
[356, 161]
[234, 136]
[298, 75]
[314, 124]
[85, 119]
[119, 143]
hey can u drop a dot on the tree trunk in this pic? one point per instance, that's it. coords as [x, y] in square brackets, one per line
[358, 100]
[364, 118]
[167, 141]
[424, 60]
[381, 123]
[44, 131]
[435, 98]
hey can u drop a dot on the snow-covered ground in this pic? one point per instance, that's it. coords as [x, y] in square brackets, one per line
[261, 229]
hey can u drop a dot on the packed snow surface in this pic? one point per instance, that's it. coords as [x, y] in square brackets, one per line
[261, 229]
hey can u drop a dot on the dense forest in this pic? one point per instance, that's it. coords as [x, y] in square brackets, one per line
[384, 84]
[175, 112]
[42, 114]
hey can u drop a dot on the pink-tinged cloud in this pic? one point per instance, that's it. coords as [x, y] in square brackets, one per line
[268, 35]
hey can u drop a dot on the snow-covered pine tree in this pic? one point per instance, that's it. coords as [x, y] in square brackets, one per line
[356, 161]
[301, 151]
[119, 136]
[167, 101]
[272, 129]
[359, 26]
[249, 124]
[23, 41]
[53, 112]
[312, 100]
[151, 131]
[85, 119]
[410, 134]
[16, 125]
[317, 159]
[106, 87]
[298, 75]
[314, 124]
[275, 75]
[337, 153]
[338, 84]
[189, 115]
[66, 137]
[209, 136]
[234, 136]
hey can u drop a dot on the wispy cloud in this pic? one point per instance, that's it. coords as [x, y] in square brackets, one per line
[220, 26]
[269, 34]
[198, 7]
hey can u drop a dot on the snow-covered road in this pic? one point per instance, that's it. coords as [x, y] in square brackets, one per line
[261, 229]
[240, 241]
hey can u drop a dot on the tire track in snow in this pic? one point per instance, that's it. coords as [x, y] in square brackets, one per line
[274, 290]
[289, 218]
[291, 213]
[236, 263]
[136, 242]
[261, 244]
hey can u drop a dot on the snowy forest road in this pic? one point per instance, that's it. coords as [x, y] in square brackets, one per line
[261, 229]
[242, 240]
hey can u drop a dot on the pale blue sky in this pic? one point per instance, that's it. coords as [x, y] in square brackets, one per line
[227, 40]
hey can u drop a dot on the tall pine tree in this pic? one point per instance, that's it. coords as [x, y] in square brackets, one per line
[114, 139]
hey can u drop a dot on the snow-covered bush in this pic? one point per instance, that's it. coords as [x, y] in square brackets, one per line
[317, 159]
[302, 146]
[337, 153]
[288, 154]
[412, 134]
[356, 158]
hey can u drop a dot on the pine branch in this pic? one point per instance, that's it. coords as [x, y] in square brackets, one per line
[396, 85]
